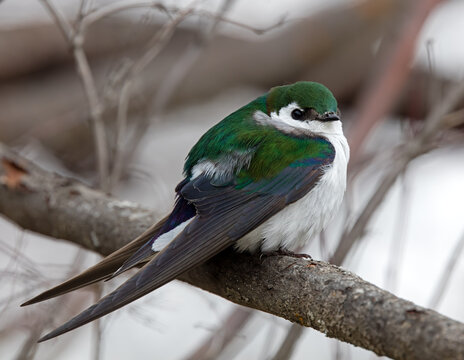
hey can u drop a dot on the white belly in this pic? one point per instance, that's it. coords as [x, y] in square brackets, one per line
[299, 222]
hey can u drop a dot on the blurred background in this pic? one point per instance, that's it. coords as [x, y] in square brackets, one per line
[116, 93]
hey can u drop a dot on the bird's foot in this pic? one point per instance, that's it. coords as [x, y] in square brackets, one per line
[287, 253]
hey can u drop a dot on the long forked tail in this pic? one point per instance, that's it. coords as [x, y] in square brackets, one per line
[103, 270]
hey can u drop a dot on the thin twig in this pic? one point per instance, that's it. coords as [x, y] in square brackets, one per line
[380, 96]
[213, 346]
[76, 40]
[60, 20]
[117, 7]
[438, 120]
[185, 61]
[28, 349]
[95, 114]
[288, 345]
[399, 239]
[114, 8]
[81, 11]
[158, 42]
[445, 276]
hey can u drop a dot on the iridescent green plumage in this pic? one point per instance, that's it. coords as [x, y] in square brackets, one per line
[272, 149]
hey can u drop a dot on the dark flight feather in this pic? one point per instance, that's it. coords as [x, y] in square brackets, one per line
[102, 270]
[182, 212]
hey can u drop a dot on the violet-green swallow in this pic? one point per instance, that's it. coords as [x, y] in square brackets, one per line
[268, 177]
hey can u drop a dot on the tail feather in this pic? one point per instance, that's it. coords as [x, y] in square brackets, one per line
[103, 270]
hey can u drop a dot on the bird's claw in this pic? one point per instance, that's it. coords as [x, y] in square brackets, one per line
[287, 253]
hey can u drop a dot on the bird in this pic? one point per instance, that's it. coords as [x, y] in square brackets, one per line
[267, 178]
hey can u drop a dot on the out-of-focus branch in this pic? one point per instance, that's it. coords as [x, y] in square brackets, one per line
[439, 119]
[156, 45]
[121, 6]
[391, 73]
[287, 347]
[445, 277]
[312, 293]
[213, 346]
[29, 348]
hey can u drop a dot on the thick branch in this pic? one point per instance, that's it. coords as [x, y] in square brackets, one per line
[312, 293]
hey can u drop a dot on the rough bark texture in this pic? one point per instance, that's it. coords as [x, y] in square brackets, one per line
[312, 293]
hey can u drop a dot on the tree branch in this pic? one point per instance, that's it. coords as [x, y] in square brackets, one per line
[313, 293]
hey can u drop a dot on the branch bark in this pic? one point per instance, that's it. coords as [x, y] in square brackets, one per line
[313, 293]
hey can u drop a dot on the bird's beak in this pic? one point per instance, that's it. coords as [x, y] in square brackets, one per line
[330, 116]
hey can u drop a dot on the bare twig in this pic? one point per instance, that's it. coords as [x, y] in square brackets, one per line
[157, 44]
[382, 93]
[76, 40]
[60, 20]
[120, 6]
[28, 349]
[117, 7]
[184, 62]
[398, 242]
[438, 120]
[445, 277]
[288, 345]
[81, 11]
[95, 114]
[214, 345]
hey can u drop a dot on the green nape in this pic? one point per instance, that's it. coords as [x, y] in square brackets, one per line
[306, 94]
[237, 132]
[273, 150]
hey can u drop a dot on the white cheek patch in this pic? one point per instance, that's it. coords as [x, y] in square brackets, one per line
[284, 116]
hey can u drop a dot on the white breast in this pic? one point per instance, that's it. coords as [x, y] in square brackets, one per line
[295, 225]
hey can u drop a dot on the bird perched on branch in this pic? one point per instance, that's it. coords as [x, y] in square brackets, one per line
[266, 178]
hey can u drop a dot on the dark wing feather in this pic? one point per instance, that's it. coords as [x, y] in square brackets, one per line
[137, 252]
[102, 270]
[183, 211]
[225, 214]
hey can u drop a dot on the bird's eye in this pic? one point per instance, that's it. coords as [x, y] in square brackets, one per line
[298, 114]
